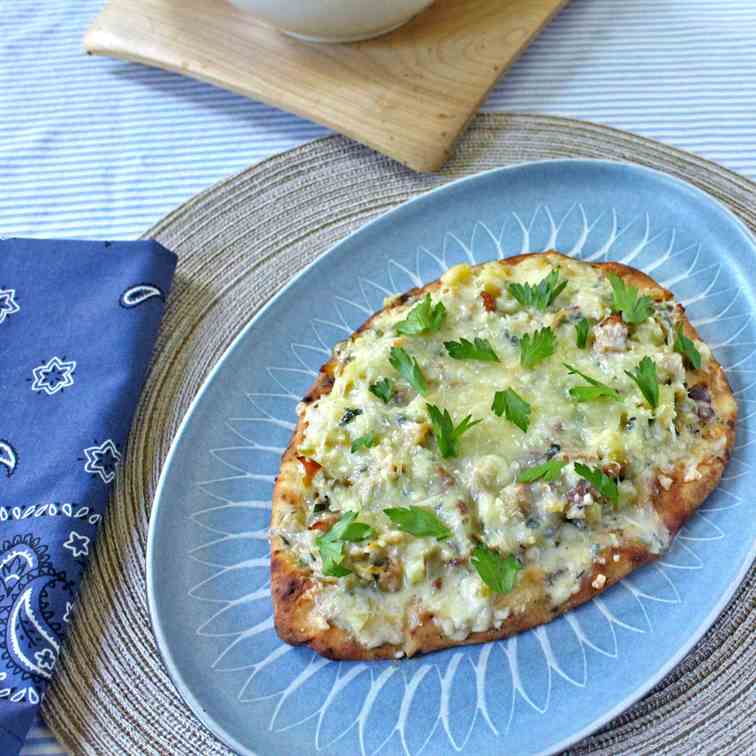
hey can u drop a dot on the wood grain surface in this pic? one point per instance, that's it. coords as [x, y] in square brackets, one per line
[408, 94]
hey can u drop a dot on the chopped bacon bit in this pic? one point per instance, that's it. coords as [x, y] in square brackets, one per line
[699, 393]
[457, 561]
[390, 579]
[610, 335]
[705, 412]
[613, 319]
[311, 468]
[445, 476]
[489, 303]
[462, 507]
[614, 469]
[575, 495]
[325, 524]
[438, 583]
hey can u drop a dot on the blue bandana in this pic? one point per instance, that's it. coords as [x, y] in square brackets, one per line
[78, 322]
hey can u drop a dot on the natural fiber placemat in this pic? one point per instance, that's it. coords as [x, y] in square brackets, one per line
[238, 243]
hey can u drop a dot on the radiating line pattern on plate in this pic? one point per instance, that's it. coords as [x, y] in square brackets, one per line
[490, 673]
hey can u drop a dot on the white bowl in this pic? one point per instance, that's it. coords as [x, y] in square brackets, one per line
[333, 20]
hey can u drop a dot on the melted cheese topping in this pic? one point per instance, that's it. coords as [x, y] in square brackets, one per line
[556, 529]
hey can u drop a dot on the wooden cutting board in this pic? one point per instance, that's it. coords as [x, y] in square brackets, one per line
[408, 94]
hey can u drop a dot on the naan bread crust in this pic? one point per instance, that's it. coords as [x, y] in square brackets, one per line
[292, 586]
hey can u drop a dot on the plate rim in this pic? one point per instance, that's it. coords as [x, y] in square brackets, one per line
[183, 689]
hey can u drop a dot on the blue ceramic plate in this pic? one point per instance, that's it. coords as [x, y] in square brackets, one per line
[538, 692]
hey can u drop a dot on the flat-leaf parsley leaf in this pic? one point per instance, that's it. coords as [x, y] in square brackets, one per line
[687, 348]
[582, 329]
[645, 378]
[331, 545]
[547, 471]
[408, 369]
[447, 435]
[540, 296]
[497, 572]
[382, 389]
[467, 350]
[510, 404]
[605, 485]
[418, 522]
[625, 300]
[596, 390]
[364, 442]
[423, 318]
[537, 346]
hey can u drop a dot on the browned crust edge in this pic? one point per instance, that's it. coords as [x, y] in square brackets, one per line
[291, 586]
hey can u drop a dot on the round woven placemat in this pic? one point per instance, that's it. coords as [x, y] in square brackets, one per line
[238, 243]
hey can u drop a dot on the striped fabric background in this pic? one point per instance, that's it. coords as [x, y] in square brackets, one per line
[97, 148]
[102, 149]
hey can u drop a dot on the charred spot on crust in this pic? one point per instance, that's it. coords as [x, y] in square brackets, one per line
[322, 385]
[290, 587]
[294, 586]
[403, 298]
[276, 563]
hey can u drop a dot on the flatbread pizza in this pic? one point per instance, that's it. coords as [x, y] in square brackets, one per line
[488, 452]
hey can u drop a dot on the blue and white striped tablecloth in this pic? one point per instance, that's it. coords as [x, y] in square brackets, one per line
[102, 149]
